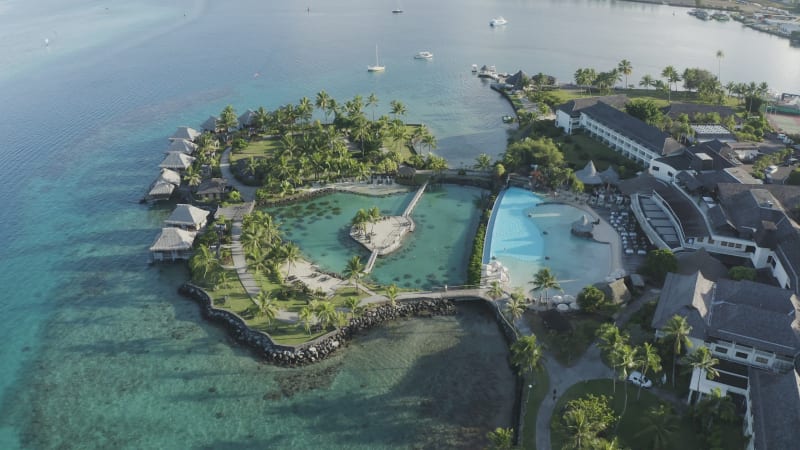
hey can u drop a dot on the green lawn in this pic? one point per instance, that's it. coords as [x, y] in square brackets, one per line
[257, 149]
[534, 398]
[578, 149]
[565, 347]
[629, 425]
[660, 98]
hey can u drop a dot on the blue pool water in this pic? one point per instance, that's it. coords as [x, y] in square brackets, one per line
[527, 235]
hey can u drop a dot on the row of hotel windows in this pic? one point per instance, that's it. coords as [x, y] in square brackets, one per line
[710, 240]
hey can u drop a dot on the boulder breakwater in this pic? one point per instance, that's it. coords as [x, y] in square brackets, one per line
[320, 348]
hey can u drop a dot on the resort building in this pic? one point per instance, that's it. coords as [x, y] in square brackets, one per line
[187, 217]
[568, 115]
[705, 133]
[213, 189]
[754, 330]
[624, 133]
[163, 186]
[177, 161]
[210, 124]
[183, 146]
[172, 244]
[246, 119]
[190, 134]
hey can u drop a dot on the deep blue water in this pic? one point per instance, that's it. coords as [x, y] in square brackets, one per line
[99, 350]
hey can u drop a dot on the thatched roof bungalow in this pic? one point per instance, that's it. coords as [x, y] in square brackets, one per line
[172, 244]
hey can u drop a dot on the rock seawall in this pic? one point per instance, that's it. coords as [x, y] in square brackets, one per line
[321, 347]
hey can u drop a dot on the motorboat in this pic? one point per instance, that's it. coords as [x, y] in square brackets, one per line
[497, 21]
[377, 67]
[423, 55]
[474, 68]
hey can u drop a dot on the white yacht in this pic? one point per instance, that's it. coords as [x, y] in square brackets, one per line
[424, 55]
[377, 67]
[497, 21]
[474, 68]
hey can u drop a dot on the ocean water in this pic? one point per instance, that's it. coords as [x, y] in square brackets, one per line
[99, 350]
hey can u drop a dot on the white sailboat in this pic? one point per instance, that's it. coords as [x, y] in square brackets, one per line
[399, 9]
[377, 67]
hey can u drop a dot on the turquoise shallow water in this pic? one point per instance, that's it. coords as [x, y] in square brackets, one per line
[528, 235]
[98, 349]
[433, 255]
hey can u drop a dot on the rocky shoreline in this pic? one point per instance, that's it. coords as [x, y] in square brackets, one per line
[321, 347]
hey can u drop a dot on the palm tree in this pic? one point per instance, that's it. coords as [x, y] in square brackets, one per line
[647, 359]
[203, 262]
[581, 430]
[360, 220]
[626, 356]
[610, 338]
[483, 162]
[659, 424]
[374, 215]
[391, 294]
[265, 306]
[544, 280]
[305, 109]
[720, 55]
[291, 254]
[672, 77]
[677, 330]
[526, 354]
[327, 314]
[715, 406]
[646, 82]
[702, 359]
[515, 307]
[398, 108]
[352, 304]
[323, 102]
[495, 290]
[354, 270]
[227, 119]
[192, 177]
[501, 439]
[372, 101]
[307, 317]
[625, 68]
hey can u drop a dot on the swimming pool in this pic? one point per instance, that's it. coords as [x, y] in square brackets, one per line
[526, 235]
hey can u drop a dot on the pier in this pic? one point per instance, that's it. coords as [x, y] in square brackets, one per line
[387, 234]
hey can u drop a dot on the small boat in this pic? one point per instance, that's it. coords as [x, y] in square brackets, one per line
[508, 119]
[398, 10]
[497, 21]
[474, 68]
[377, 67]
[424, 55]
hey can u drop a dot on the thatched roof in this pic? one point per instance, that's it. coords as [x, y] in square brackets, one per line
[210, 124]
[173, 239]
[588, 175]
[182, 145]
[187, 216]
[610, 176]
[176, 161]
[517, 79]
[406, 172]
[161, 189]
[187, 133]
[583, 225]
[246, 119]
[616, 291]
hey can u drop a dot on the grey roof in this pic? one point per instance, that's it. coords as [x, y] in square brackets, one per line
[691, 262]
[516, 79]
[758, 210]
[212, 186]
[161, 189]
[176, 161]
[690, 218]
[647, 135]
[688, 180]
[745, 312]
[722, 156]
[235, 211]
[187, 215]
[173, 239]
[169, 176]
[678, 161]
[583, 225]
[609, 176]
[589, 175]
[246, 119]
[182, 145]
[775, 408]
[210, 124]
[574, 107]
[187, 133]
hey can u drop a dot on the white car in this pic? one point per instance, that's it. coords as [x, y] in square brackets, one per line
[638, 379]
[771, 169]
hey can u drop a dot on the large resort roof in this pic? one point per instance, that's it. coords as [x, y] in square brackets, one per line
[173, 239]
[776, 403]
[632, 128]
[574, 107]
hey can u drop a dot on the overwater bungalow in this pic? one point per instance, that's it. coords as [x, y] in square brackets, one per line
[182, 145]
[163, 186]
[185, 133]
[212, 189]
[177, 161]
[172, 244]
[187, 217]
[210, 124]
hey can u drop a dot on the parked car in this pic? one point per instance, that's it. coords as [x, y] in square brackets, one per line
[771, 169]
[638, 379]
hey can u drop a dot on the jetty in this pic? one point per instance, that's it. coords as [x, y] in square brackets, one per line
[386, 235]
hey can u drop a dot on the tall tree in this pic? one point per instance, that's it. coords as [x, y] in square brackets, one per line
[291, 254]
[307, 317]
[647, 359]
[203, 262]
[701, 359]
[372, 101]
[677, 331]
[671, 75]
[659, 426]
[323, 102]
[353, 304]
[483, 162]
[227, 119]
[526, 354]
[398, 108]
[495, 290]
[647, 81]
[715, 406]
[354, 270]
[515, 307]
[391, 294]
[625, 68]
[265, 307]
[544, 280]
[720, 55]
[626, 355]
